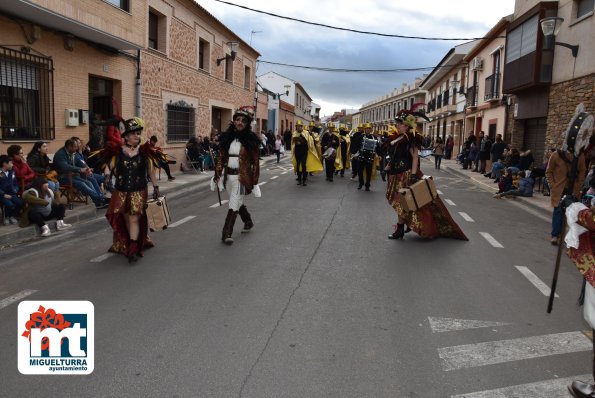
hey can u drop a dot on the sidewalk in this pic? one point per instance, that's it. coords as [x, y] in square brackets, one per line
[538, 201]
[11, 235]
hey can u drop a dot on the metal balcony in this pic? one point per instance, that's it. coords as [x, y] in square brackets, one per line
[492, 87]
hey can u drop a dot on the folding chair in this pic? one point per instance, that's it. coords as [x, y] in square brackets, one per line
[194, 164]
[72, 194]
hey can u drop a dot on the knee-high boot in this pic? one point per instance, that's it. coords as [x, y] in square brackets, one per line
[228, 227]
[133, 250]
[246, 219]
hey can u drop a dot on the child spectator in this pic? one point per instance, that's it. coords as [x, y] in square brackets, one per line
[42, 205]
[8, 191]
[525, 187]
[505, 183]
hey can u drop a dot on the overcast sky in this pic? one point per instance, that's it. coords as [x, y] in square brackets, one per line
[292, 42]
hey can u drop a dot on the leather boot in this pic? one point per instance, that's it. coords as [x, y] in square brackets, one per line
[399, 232]
[580, 389]
[228, 227]
[246, 219]
[133, 250]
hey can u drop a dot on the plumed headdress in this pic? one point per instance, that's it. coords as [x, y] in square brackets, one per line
[409, 116]
[246, 111]
[579, 131]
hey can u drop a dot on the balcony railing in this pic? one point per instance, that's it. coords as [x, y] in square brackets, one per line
[439, 101]
[472, 96]
[492, 87]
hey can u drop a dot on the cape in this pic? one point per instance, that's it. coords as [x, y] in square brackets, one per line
[313, 162]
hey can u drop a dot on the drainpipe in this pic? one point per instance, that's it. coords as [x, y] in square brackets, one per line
[137, 99]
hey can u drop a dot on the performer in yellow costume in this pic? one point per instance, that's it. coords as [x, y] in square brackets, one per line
[303, 153]
[345, 143]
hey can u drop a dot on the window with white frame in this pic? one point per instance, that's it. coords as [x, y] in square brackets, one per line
[522, 40]
[583, 7]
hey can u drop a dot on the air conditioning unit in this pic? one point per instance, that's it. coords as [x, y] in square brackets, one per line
[477, 63]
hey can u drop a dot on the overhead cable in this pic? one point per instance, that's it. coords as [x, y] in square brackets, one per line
[355, 30]
[328, 69]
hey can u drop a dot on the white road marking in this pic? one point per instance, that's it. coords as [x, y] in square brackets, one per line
[450, 202]
[534, 279]
[182, 221]
[217, 204]
[545, 388]
[491, 240]
[15, 297]
[440, 325]
[262, 183]
[466, 217]
[502, 351]
[102, 257]
[439, 192]
[285, 172]
[273, 177]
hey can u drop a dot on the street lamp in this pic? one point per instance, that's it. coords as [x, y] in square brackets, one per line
[550, 27]
[233, 45]
[286, 87]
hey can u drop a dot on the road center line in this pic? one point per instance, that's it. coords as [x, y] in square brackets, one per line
[491, 240]
[466, 217]
[217, 204]
[534, 279]
[103, 257]
[450, 202]
[15, 297]
[439, 192]
[182, 221]
[273, 177]
[284, 172]
[262, 183]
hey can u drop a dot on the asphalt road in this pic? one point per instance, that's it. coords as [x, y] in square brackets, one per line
[314, 302]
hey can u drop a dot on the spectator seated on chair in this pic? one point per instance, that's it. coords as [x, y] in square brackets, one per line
[41, 206]
[21, 169]
[525, 187]
[9, 189]
[66, 162]
[195, 154]
[39, 162]
[82, 158]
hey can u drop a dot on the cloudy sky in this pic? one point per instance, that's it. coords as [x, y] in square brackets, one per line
[296, 43]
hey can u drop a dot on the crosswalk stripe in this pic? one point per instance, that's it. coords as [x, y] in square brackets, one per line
[103, 257]
[466, 217]
[182, 221]
[450, 202]
[534, 279]
[440, 325]
[545, 388]
[217, 204]
[494, 352]
[15, 297]
[491, 240]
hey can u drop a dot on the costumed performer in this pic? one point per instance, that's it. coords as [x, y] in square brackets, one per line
[129, 162]
[403, 169]
[239, 168]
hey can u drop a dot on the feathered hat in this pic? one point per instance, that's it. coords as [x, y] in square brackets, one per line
[409, 116]
[579, 131]
[246, 111]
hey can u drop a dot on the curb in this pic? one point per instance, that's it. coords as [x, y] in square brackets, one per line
[89, 212]
[488, 188]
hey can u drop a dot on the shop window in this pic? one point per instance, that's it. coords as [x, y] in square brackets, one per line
[180, 121]
[26, 96]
